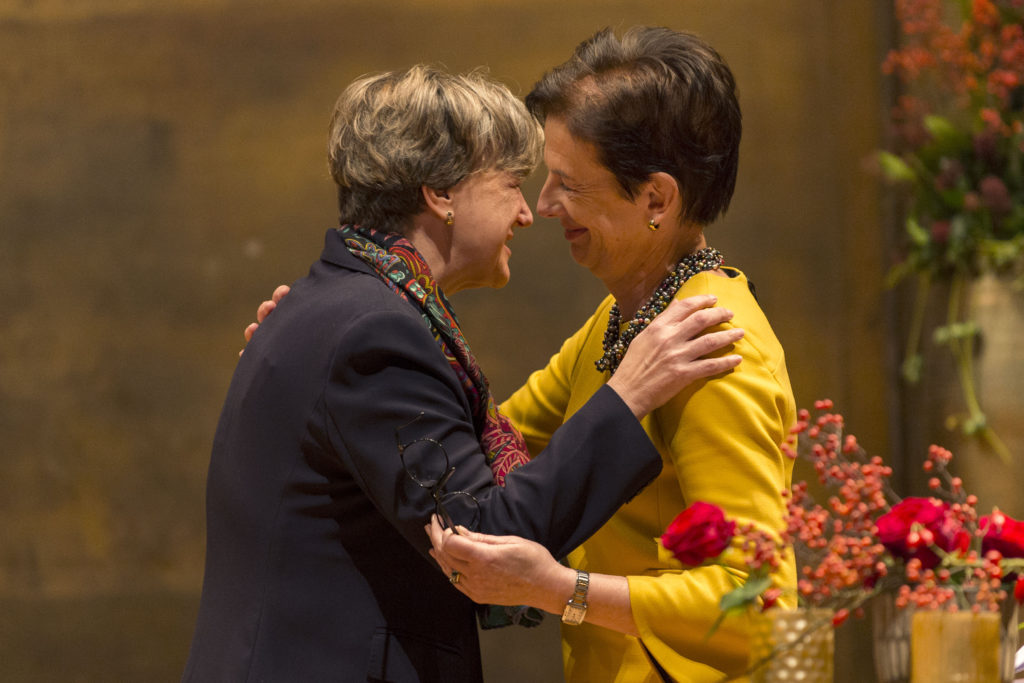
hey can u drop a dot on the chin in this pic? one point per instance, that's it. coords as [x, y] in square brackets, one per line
[582, 260]
[502, 273]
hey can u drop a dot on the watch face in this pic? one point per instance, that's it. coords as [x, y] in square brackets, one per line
[573, 614]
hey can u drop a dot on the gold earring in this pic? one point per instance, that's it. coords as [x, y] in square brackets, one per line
[652, 225]
[449, 220]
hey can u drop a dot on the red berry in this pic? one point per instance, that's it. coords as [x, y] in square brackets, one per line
[770, 597]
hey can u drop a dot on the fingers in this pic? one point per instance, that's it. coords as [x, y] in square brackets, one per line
[707, 367]
[279, 293]
[265, 309]
[714, 341]
[690, 305]
[691, 317]
[249, 330]
[437, 536]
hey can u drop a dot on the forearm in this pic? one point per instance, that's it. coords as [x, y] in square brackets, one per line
[608, 603]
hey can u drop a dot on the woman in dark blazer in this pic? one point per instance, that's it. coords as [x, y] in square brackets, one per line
[357, 411]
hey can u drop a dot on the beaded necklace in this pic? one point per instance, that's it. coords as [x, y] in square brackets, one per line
[615, 345]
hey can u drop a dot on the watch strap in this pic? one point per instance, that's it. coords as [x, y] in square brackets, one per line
[576, 607]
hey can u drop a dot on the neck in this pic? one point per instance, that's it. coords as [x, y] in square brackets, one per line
[431, 244]
[631, 293]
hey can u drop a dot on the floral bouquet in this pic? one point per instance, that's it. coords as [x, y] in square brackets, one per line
[933, 552]
[959, 149]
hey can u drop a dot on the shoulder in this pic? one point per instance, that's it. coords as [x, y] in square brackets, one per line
[733, 292]
[344, 294]
[731, 284]
[760, 343]
[333, 309]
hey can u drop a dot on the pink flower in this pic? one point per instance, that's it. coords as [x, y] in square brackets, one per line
[698, 533]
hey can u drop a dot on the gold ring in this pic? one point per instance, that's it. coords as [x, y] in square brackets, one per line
[454, 577]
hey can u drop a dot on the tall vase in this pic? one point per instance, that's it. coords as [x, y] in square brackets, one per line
[935, 408]
[998, 308]
[792, 645]
[963, 647]
[890, 632]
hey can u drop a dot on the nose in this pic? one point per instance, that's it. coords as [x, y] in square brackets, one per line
[525, 217]
[547, 202]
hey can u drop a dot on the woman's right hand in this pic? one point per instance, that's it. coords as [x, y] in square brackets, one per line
[263, 311]
[673, 351]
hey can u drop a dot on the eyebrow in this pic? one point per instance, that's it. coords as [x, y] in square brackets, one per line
[563, 175]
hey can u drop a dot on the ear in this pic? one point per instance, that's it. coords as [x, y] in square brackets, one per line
[661, 197]
[439, 202]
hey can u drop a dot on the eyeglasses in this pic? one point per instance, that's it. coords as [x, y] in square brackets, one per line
[426, 463]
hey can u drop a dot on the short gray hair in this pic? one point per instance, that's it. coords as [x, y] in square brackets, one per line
[395, 132]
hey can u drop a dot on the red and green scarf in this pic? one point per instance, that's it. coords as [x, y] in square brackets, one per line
[401, 267]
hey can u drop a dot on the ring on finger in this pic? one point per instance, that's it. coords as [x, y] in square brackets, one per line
[454, 577]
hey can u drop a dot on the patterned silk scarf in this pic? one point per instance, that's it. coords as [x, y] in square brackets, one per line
[401, 267]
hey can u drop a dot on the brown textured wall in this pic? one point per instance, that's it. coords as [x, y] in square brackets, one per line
[161, 169]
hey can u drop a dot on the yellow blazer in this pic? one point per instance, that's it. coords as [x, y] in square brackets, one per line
[719, 440]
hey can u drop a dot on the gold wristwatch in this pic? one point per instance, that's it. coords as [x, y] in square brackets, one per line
[576, 608]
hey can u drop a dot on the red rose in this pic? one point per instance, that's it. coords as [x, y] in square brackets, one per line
[1002, 533]
[698, 533]
[913, 525]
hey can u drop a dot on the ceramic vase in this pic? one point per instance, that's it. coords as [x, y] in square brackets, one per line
[963, 647]
[792, 645]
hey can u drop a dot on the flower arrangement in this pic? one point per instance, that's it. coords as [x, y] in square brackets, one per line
[934, 552]
[959, 148]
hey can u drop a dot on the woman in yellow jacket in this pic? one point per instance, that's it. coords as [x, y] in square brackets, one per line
[642, 138]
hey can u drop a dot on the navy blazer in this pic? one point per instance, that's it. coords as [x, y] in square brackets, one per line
[316, 564]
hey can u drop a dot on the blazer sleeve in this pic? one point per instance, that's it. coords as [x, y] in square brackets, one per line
[387, 370]
[723, 435]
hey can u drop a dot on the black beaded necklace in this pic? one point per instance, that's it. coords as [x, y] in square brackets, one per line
[615, 345]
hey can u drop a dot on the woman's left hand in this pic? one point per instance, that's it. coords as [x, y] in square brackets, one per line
[501, 570]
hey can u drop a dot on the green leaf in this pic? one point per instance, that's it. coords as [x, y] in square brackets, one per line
[897, 273]
[1003, 253]
[974, 424]
[942, 130]
[918, 235]
[745, 594]
[911, 369]
[945, 334]
[895, 168]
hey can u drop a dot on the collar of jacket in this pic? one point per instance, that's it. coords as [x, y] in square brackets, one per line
[336, 253]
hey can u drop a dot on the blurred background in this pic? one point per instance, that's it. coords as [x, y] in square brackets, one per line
[162, 169]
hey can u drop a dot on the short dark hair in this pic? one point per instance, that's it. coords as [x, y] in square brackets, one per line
[656, 100]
